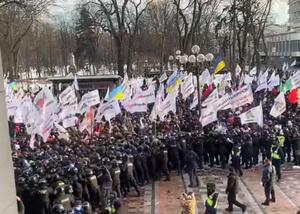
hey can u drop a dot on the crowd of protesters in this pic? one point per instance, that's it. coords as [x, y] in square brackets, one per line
[93, 173]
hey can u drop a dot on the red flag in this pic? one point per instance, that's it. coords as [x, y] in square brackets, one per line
[207, 92]
[293, 97]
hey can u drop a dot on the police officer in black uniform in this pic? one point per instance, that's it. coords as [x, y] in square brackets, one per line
[115, 174]
[191, 166]
[163, 161]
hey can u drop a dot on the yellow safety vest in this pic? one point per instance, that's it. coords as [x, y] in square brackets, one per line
[275, 155]
[210, 201]
[281, 140]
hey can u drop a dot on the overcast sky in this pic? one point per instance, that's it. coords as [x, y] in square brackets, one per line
[279, 9]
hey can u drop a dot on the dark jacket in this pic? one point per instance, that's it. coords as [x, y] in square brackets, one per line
[268, 175]
[191, 161]
[232, 183]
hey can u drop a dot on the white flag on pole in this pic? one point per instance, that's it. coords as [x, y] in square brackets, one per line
[241, 97]
[248, 79]
[294, 63]
[253, 71]
[106, 98]
[205, 77]
[273, 81]
[168, 105]
[45, 103]
[279, 106]
[163, 77]
[134, 106]
[224, 103]
[32, 141]
[187, 88]
[296, 79]
[208, 115]
[108, 110]
[146, 97]
[75, 83]
[158, 101]
[68, 96]
[254, 115]
[195, 101]
[262, 81]
[238, 70]
[45, 128]
[70, 121]
[89, 99]
[211, 99]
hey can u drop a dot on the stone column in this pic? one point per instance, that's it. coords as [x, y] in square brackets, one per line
[8, 203]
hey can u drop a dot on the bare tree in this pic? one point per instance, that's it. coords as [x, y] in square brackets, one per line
[188, 17]
[244, 21]
[16, 19]
[121, 20]
[161, 16]
[262, 11]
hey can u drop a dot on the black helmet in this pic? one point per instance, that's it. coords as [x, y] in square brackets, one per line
[114, 163]
[43, 182]
[58, 208]
[89, 172]
[33, 181]
[106, 160]
[68, 189]
[60, 189]
[21, 181]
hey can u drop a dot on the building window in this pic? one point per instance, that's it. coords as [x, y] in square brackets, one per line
[294, 45]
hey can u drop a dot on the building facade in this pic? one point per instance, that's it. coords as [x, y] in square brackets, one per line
[294, 13]
[283, 42]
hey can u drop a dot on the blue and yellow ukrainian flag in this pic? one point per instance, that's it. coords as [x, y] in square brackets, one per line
[13, 86]
[218, 66]
[173, 82]
[117, 93]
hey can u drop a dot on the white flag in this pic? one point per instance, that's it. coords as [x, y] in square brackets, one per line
[285, 67]
[254, 115]
[262, 81]
[294, 63]
[279, 106]
[248, 79]
[70, 121]
[75, 83]
[134, 106]
[241, 97]
[187, 88]
[273, 81]
[238, 70]
[253, 71]
[68, 96]
[195, 101]
[146, 97]
[89, 99]
[158, 101]
[206, 77]
[296, 79]
[106, 98]
[45, 103]
[208, 115]
[108, 110]
[45, 128]
[168, 105]
[163, 77]
[224, 103]
[32, 141]
[211, 99]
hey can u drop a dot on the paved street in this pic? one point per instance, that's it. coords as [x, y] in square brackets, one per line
[163, 196]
